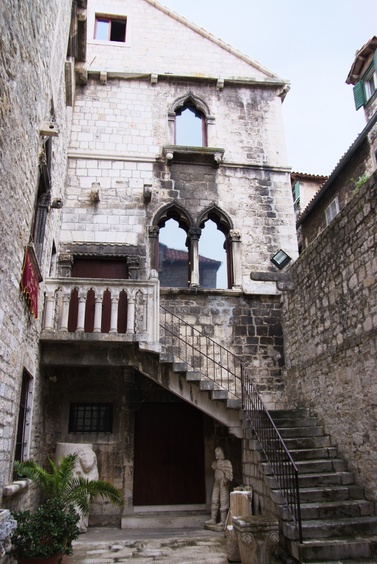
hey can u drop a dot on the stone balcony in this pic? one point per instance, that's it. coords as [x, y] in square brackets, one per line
[85, 310]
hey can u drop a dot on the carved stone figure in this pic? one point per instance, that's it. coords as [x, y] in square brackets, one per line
[86, 466]
[220, 494]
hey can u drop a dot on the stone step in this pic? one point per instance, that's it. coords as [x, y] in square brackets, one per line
[358, 547]
[326, 478]
[321, 465]
[180, 366]
[233, 403]
[289, 421]
[194, 376]
[307, 481]
[290, 413]
[335, 493]
[166, 357]
[165, 520]
[219, 394]
[307, 442]
[293, 432]
[347, 527]
[206, 385]
[337, 509]
[313, 453]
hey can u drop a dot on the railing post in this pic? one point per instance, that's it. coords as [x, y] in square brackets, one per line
[49, 308]
[98, 312]
[81, 311]
[130, 315]
[114, 314]
[65, 312]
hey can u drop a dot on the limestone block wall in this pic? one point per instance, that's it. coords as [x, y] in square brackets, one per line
[33, 46]
[248, 326]
[118, 134]
[330, 322]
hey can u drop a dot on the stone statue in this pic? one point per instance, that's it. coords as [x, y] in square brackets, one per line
[86, 466]
[220, 494]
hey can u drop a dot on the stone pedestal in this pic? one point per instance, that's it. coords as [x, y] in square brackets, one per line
[257, 536]
[240, 504]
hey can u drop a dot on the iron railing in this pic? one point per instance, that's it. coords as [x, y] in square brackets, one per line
[201, 353]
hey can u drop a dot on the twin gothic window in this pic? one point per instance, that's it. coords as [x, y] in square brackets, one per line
[206, 255]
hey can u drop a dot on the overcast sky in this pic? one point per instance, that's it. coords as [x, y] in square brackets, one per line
[310, 43]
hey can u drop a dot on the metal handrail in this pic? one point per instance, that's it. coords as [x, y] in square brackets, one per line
[201, 353]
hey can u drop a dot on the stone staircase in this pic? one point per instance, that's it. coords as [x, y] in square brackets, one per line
[338, 523]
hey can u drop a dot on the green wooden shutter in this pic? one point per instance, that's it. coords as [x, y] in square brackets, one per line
[375, 60]
[359, 94]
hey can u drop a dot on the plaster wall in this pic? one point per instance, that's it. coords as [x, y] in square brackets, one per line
[150, 46]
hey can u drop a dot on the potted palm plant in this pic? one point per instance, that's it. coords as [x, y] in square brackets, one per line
[46, 535]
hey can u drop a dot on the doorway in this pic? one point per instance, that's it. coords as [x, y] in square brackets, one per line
[169, 455]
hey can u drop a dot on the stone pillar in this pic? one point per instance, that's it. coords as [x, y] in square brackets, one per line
[154, 231]
[235, 254]
[211, 132]
[194, 235]
[257, 537]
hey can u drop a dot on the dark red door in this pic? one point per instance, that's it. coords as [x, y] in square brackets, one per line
[169, 455]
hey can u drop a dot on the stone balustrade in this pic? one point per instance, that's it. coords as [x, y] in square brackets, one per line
[128, 308]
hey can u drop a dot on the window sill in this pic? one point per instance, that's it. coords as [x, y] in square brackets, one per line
[16, 487]
[193, 155]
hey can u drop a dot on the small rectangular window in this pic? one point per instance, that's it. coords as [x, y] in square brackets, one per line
[332, 210]
[23, 425]
[296, 195]
[90, 418]
[110, 29]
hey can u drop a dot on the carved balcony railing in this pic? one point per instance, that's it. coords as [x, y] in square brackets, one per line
[124, 309]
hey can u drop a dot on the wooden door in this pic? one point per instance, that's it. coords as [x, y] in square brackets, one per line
[169, 455]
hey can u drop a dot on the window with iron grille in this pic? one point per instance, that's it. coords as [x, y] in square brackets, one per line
[90, 418]
[23, 424]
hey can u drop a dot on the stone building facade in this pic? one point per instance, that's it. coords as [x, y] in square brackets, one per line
[94, 354]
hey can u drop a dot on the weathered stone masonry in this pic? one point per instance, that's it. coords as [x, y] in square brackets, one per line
[330, 322]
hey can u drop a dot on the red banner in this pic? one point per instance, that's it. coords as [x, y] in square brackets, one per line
[30, 283]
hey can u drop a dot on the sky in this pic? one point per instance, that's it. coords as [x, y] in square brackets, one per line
[311, 44]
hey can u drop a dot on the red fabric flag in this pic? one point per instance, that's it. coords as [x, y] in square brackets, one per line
[30, 284]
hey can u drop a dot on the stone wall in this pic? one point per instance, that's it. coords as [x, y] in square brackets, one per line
[330, 322]
[33, 44]
[248, 326]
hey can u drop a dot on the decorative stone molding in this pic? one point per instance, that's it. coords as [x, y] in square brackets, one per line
[257, 537]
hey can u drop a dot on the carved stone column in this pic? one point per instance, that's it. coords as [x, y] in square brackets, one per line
[154, 231]
[211, 132]
[194, 236]
[235, 253]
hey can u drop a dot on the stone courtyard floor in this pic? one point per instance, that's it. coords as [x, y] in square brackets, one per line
[105, 546]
